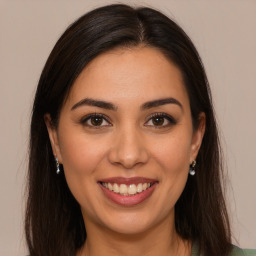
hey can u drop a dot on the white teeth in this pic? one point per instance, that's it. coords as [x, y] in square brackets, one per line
[124, 189]
[109, 186]
[132, 189]
[139, 188]
[115, 188]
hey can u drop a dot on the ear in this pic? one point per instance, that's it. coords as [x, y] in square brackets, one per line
[53, 136]
[197, 138]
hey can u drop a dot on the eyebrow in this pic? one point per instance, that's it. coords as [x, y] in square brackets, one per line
[110, 106]
[160, 102]
[95, 103]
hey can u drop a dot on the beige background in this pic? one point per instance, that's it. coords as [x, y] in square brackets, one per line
[224, 33]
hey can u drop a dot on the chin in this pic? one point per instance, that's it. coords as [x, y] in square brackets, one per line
[129, 223]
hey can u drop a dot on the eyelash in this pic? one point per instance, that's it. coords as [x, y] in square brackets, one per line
[84, 120]
[170, 120]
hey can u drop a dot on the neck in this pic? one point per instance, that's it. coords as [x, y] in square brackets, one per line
[159, 240]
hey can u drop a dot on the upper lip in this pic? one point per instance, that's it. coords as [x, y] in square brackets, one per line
[127, 181]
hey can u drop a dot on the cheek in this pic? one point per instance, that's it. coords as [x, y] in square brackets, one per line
[173, 154]
[81, 158]
[80, 152]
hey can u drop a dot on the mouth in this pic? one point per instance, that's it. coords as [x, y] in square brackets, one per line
[128, 191]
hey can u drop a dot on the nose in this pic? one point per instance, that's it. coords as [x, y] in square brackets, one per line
[128, 149]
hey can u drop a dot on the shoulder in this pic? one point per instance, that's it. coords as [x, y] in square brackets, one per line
[236, 251]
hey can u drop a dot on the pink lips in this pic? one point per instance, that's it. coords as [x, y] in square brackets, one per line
[128, 200]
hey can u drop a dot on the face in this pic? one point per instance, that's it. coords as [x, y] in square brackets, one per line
[126, 140]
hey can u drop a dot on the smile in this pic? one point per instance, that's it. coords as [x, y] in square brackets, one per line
[128, 191]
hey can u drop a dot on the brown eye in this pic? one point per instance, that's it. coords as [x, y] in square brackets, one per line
[158, 121]
[96, 121]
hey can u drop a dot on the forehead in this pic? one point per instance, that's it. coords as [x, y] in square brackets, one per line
[128, 74]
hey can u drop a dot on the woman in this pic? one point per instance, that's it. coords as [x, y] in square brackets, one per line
[124, 150]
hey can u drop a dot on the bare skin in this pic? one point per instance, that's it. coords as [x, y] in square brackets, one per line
[149, 244]
[144, 130]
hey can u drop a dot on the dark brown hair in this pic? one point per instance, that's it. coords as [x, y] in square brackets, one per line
[54, 224]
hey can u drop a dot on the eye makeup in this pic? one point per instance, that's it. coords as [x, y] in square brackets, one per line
[95, 121]
[156, 120]
[160, 120]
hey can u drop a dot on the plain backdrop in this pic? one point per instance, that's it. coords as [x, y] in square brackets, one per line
[223, 32]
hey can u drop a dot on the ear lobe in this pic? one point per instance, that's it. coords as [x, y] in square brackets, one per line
[198, 135]
[53, 136]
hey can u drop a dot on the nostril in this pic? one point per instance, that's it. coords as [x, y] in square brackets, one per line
[128, 157]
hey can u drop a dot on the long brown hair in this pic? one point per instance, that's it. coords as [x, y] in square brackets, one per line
[54, 224]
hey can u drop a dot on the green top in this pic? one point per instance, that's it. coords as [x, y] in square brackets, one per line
[235, 251]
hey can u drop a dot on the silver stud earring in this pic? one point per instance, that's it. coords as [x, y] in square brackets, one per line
[57, 165]
[192, 171]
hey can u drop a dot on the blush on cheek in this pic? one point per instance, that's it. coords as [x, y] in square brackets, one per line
[176, 160]
[78, 166]
[81, 155]
[77, 178]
